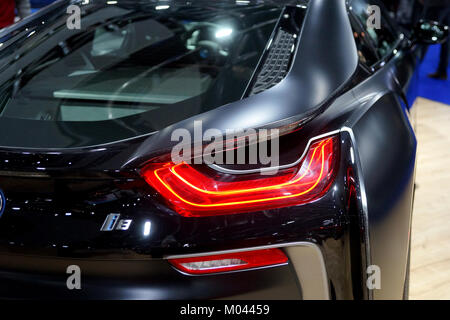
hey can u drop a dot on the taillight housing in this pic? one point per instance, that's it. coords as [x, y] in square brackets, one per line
[197, 191]
[230, 261]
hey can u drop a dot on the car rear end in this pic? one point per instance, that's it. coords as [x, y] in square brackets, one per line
[89, 188]
[56, 219]
[131, 242]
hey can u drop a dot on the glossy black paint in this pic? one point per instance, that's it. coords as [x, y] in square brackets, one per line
[58, 198]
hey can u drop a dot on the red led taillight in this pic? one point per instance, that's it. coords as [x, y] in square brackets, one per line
[230, 261]
[195, 193]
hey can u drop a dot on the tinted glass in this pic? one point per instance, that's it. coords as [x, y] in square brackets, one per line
[384, 37]
[366, 53]
[126, 61]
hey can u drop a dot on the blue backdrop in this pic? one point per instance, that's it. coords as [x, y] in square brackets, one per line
[437, 90]
[40, 3]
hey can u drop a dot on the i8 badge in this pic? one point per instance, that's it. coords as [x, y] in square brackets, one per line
[113, 222]
[2, 203]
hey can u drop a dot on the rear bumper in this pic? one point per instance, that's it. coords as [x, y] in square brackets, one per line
[25, 277]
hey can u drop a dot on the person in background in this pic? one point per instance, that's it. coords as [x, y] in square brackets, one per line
[439, 10]
[391, 6]
[409, 13]
[7, 11]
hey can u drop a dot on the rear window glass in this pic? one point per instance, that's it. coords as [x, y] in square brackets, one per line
[128, 62]
[383, 38]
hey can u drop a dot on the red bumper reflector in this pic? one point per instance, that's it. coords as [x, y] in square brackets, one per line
[230, 261]
[197, 193]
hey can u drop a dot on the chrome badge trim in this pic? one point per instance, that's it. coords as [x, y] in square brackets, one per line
[113, 222]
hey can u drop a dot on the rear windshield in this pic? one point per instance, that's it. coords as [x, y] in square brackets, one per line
[159, 63]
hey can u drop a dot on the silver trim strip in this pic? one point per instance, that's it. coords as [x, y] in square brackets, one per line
[363, 200]
[268, 169]
[232, 271]
[211, 253]
[296, 251]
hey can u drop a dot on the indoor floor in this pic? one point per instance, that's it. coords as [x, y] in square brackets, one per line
[430, 255]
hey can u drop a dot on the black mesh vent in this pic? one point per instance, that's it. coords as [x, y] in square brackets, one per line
[277, 62]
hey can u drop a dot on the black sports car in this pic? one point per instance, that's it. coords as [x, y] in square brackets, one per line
[110, 109]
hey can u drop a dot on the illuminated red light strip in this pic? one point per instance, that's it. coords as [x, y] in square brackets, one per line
[243, 202]
[172, 169]
[172, 181]
[230, 261]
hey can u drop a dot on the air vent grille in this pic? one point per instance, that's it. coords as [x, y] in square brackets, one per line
[277, 62]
